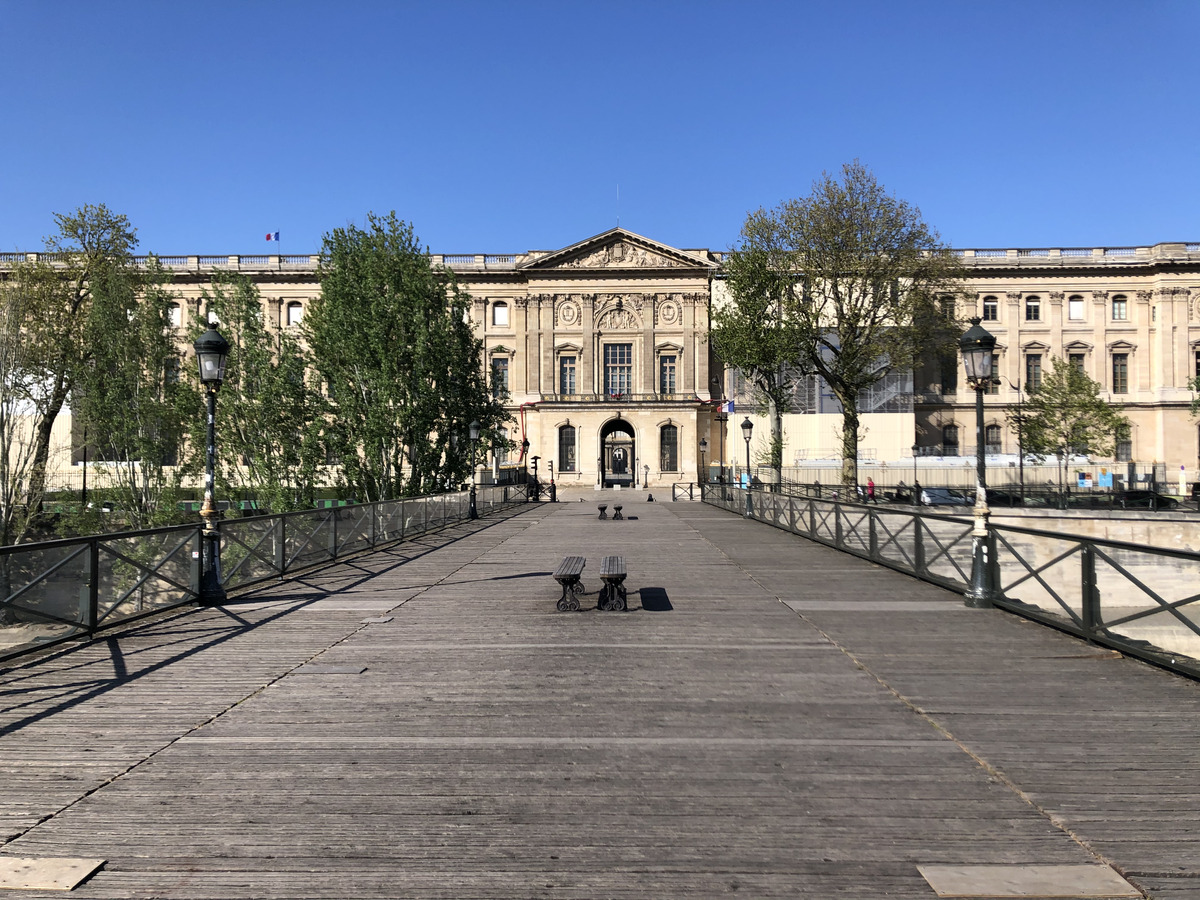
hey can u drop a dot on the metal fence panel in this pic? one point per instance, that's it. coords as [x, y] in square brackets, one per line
[54, 590]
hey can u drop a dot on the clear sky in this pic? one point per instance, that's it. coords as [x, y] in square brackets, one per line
[498, 127]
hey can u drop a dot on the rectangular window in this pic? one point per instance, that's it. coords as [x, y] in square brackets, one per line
[500, 315]
[1198, 364]
[500, 377]
[566, 449]
[993, 386]
[950, 440]
[1075, 309]
[991, 309]
[1120, 373]
[1033, 309]
[1120, 309]
[1076, 361]
[566, 375]
[618, 369]
[666, 374]
[1033, 371]
[668, 445]
[947, 304]
[949, 375]
[991, 439]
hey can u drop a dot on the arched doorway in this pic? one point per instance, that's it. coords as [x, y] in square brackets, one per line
[618, 454]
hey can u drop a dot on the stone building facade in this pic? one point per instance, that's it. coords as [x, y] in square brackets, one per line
[602, 348]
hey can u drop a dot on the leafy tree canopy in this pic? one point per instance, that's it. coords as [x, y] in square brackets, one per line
[847, 283]
[391, 337]
[1066, 413]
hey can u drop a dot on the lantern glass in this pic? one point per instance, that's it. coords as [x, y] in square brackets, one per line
[474, 429]
[977, 347]
[212, 350]
[747, 428]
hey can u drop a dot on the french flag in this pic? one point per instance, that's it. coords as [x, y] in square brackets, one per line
[726, 407]
[273, 237]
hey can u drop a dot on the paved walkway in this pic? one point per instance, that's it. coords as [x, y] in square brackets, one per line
[770, 719]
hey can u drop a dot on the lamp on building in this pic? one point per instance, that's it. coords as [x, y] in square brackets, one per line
[212, 351]
[473, 431]
[978, 346]
[747, 430]
[703, 451]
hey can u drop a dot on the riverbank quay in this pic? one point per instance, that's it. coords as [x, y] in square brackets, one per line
[770, 718]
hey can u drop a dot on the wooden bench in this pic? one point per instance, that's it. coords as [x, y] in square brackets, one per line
[612, 573]
[568, 575]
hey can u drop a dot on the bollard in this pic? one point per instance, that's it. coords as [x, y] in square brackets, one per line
[602, 507]
[617, 512]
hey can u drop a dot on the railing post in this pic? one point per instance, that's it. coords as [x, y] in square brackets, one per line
[838, 540]
[873, 539]
[333, 536]
[1092, 616]
[93, 587]
[812, 519]
[371, 530]
[919, 545]
[281, 545]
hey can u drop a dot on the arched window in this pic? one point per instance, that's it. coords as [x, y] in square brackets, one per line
[1120, 308]
[174, 315]
[566, 448]
[991, 309]
[950, 440]
[1075, 308]
[991, 439]
[295, 312]
[500, 314]
[1033, 309]
[668, 448]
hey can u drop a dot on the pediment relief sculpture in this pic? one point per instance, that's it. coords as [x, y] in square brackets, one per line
[618, 320]
[621, 255]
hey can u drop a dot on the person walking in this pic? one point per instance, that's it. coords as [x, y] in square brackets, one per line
[870, 490]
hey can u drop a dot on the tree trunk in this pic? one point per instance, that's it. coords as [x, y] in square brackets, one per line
[849, 444]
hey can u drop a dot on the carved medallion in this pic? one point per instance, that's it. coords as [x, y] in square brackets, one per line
[567, 313]
[668, 313]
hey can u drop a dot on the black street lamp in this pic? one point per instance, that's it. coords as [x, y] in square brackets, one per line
[211, 352]
[747, 430]
[703, 451]
[473, 430]
[916, 484]
[977, 347]
[537, 488]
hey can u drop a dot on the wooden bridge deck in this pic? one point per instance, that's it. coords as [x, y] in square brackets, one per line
[770, 719]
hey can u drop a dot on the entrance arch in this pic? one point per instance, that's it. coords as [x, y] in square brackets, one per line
[618, 454]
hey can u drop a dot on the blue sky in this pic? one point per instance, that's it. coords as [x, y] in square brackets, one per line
[508, 126]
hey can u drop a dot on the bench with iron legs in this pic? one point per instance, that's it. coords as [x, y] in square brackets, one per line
[612, 573]
[568, 575]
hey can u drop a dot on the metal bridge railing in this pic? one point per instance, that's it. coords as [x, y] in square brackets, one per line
[54, 591]
[1143, 601]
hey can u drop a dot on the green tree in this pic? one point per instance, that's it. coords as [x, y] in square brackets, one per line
[757, 330]
[130, 397]
[270, 414]
[857, 279]
[1066, 415]
[391, 338]
[90, 255]
[19, 417]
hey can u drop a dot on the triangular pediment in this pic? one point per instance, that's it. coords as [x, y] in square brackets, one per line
[617, 249]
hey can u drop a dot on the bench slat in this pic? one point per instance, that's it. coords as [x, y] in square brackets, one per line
[570, 567]
[612, 566]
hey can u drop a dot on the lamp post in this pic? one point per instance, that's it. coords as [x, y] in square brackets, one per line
[473, 430]
[747, 430]
[703, 451]
[977, 346]
[536, 485]
[211, 352]
[916, 484]
[525, 462]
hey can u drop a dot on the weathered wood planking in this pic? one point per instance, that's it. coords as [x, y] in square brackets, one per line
[495, 748]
